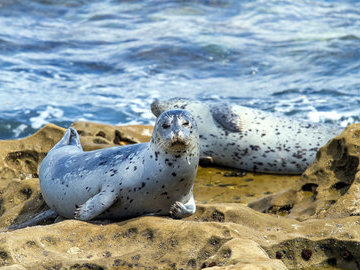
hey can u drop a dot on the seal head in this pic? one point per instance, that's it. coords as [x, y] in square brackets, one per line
[175, 130]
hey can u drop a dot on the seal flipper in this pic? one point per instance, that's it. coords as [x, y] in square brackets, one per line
[71, 137]
[181, 210]
[48, 214]
[96, 205]
[227, 118]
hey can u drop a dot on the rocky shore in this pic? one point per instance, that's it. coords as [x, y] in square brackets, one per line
[243, 220]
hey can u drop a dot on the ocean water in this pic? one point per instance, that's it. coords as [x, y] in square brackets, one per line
[105, 61]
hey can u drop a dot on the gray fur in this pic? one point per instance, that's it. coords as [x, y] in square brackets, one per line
[253, 140]
[154, 178]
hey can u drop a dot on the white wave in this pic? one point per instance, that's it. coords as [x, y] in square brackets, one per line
[19, 129]
[44, 117]
[316, 116]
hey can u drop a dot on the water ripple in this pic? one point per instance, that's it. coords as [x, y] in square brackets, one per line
[105, 61]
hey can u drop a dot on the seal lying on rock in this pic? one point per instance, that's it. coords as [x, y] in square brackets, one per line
[154, 178]
[253, 140]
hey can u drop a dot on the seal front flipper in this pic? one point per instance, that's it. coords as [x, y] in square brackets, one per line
[180, 210]
[96, 205]
[71, 137]
[227, 118]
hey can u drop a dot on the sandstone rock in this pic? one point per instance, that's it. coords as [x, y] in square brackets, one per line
[223, 234]
[20, 158]
[95, 136]
[226, 185]
[152, 242]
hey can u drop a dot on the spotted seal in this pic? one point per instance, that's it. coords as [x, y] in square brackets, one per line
[154, 178]
[250, 139]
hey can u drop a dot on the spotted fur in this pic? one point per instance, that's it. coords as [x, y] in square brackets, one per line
[250, 139]
[154, 178]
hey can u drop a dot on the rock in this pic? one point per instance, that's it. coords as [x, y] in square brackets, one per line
[20, 158]
[227, 185]
[95, 136]
[303, 231]
[153, 242]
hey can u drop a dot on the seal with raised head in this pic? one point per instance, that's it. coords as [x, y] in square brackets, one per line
[154, 178]
[250, 139]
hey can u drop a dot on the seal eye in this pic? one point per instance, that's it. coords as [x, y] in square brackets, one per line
[165, 126]
[186, 124]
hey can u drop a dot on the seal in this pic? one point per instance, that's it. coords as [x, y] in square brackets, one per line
[154, 178]
[250, 139]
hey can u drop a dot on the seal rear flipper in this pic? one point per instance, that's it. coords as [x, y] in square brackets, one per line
[71, 137]
[227, 118]
[48, 214]
[96, 205]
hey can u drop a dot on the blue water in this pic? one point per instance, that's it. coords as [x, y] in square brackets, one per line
[105, 61]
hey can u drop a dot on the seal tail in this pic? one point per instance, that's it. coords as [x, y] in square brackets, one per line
[71, 137]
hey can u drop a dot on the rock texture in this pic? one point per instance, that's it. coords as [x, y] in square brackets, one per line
[295, 222]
